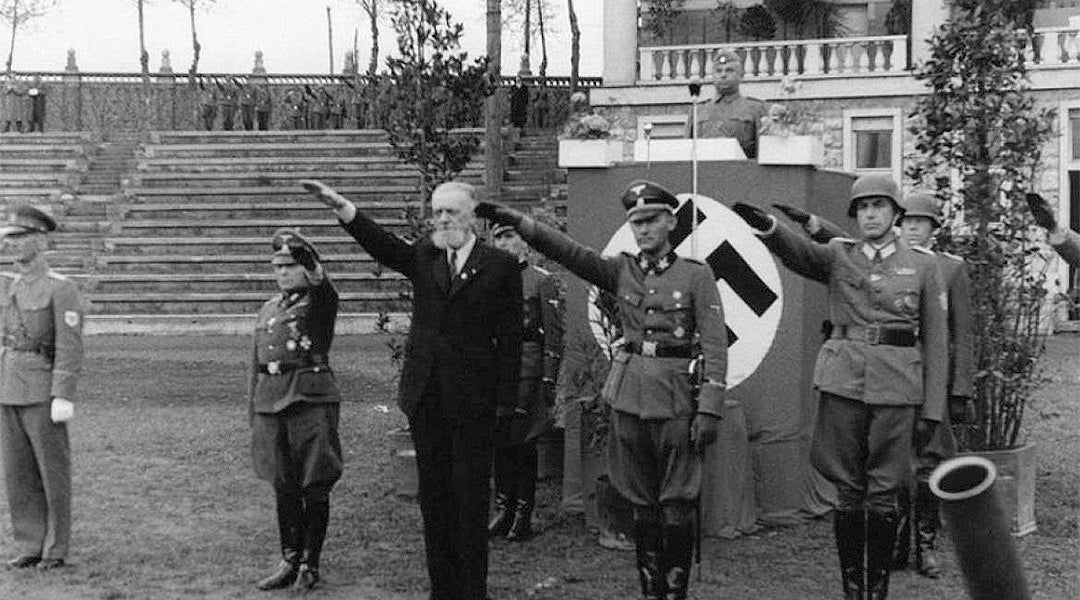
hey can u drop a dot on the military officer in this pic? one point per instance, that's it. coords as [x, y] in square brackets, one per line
[669, 310]
[208, 102]
[541, 353]
[730, 114]
[885, 361]
[294, 405]
[262, 107]
[1064, 240]
[41, 317]
[247, 105]
[227, 104]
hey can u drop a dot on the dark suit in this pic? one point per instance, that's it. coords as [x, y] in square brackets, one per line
[462, 362]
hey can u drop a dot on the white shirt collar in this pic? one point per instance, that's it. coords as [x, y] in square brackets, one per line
[463, 252]
[887, 249]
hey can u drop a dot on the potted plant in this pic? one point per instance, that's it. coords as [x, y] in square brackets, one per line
[789, 136]
[586, 141]
[979, 127]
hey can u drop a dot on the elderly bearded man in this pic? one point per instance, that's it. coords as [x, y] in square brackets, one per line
[462, 363]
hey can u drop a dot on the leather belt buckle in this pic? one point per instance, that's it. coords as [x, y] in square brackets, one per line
[872, 334]
[648, 349]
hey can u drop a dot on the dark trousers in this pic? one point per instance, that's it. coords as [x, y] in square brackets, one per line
[263, 118]
[453, 459]
[652, 461]
[515, 471]
[864, 450]
[247, 116]
[36, 456]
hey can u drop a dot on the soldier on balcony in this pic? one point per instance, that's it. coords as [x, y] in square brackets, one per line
[730, 114]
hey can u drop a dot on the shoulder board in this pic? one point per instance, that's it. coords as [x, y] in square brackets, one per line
[627, 255]
[541, 270]
[922, 250]
[953, 256]
[844, 240]
[692, 260]
[57, 276]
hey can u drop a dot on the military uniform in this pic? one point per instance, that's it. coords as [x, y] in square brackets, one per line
[227, 106]
[207, 106]
[247, 106]
[294, 406]
[734, 116]
[669, 311]
[515, 460]
[262, 107]
[41, 318]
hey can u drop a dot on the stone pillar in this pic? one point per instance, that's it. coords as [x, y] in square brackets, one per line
[926, 17]
[620, 42]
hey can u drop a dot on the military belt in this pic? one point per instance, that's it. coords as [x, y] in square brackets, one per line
[282, 368]
[658, 350]
[16, 346]
[876, 334]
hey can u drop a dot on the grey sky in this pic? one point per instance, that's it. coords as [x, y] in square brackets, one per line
[104, 34]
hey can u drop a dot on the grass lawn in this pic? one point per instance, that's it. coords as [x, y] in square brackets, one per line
[167, 506]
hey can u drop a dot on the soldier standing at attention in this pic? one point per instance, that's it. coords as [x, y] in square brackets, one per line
[247, 106]
[670, 311]
[886, 360]
[730, 114]
[515, 438]
[41, 317]
[294, 405]
[207, 105]
[262, 107]
[227, 105]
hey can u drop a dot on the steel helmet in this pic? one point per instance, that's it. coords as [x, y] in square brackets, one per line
[875, 185]
[923, 205]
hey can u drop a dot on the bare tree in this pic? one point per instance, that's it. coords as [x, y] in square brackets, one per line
[517, 15]
[493, 110]
[196, 47]
[372, 9]
[16, 13]
[575, 46]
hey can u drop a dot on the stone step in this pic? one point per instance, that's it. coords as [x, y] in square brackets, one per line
[205, 245]
[52, 138]
[217, 262]
[263, 281]
[398, 177]
[27, 151]
[284, 163]
[35, 195]
[265, 150]
[38, 165]
[265, 228]
[252, 208]
[233, 137]
[229, 302]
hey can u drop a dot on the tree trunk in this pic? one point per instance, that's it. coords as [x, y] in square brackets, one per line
[196, 47]
[330, 39]
[543, 40]
[575, 47]
[144, 65]
[372, 8]
[525, 66]
[493, 168]
[14, 26]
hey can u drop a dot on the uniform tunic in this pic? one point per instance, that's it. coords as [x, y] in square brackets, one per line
[42, 319]
[671, 307]
[863, 442]
[541, 354]
[294, 397]
[734, 116]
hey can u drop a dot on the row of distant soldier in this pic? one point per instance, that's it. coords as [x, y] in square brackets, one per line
[249, 106]
[22, 106]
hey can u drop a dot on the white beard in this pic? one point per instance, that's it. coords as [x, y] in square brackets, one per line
[449, 238]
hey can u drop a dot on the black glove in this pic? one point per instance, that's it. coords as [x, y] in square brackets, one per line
[304, 256]
[754, 216]
[798, 215]
[961, 410]
[499, 214]
[1041, 211]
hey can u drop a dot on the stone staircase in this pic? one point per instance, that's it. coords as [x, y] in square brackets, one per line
[109, 164]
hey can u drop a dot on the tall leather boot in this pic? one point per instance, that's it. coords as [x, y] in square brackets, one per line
[316, 518]
[525, 485]
[504, 500]
[647, 542]
[678, 550]
[902, 548]
[880, 538]
[290, 513]
[849, 528]
[927, 522]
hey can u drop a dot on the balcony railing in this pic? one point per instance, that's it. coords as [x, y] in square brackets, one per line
[1051, 47]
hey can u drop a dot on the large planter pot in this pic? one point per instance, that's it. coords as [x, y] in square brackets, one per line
[1015, 485]
[589, 153]
[791, 150]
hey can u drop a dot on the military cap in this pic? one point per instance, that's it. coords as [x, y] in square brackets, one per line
[923, 205]
[641, 196]
[875, 185]
[498, 230]
[24, 218]
[287, 238]
[724, 57]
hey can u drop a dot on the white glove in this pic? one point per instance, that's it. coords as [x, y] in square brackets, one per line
[61, 410]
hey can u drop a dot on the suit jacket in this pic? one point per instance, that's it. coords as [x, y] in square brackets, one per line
[467, 336]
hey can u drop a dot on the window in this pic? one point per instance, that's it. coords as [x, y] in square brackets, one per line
[872, 141]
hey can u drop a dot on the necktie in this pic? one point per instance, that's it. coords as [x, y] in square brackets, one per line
[877, 256]
[453, 264]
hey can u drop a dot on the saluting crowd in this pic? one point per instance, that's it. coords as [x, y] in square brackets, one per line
[893, 373]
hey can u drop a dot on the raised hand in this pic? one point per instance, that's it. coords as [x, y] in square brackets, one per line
[754, 216]
[497, 213]
[326, 195]
[1041, 211]
[798, 215]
